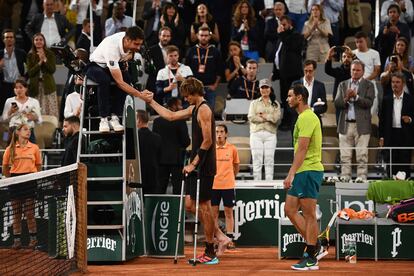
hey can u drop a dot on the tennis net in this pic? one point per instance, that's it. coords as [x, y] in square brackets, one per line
[43, 222]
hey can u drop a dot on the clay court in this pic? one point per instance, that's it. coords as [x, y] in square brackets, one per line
[250, 261]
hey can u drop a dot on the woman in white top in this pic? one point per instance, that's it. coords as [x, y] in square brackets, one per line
[73, 103]
[317, 31]
[264, 115]
[22, 109]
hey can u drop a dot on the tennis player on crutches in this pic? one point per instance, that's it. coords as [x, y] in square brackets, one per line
[203, 158]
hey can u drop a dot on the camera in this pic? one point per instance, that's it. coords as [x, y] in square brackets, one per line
[338, 52]
[75, 61]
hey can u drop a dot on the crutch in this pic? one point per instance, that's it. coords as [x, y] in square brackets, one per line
[179, 219]
[194, 260]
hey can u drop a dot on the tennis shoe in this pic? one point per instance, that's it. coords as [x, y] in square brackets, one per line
[306, 263]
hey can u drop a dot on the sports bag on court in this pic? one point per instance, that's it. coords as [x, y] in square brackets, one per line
[402, 212]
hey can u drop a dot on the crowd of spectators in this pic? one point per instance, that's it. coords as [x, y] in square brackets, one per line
[219, 41]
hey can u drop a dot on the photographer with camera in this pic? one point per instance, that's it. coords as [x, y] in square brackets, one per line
[396, 66]
[106, 66]
[342, 72]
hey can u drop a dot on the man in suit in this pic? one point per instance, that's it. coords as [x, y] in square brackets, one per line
[174, 141]
[49, 21]
[84, 40]
[270, 32]
[287, 66]
[12, 61]
[152, 15]
[150, 152]
[316, 89]
[396, 125]
[354, 100]
[158, 54]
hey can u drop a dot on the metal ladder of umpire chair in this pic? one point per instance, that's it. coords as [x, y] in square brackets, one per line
[108, 188]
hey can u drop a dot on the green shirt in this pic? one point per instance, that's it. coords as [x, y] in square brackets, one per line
[309, 126]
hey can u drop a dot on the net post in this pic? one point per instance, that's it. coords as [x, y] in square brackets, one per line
[81, 214]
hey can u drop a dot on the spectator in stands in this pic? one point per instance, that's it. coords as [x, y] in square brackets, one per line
[171, 19]
[394, 66]
[158, 54]
[41, 65]
[332, 10]
[298, 12]
[204, 18]
[396, 125]
[287, 63]
[206, 64]
[28, 11]
[71, 131]
[73, 103]
[228, 164]
[246, 30]
[12, 60]
[171, 76]
[22, 157]
[174, 141]
[246, 87]
[81, 7]
[150, 153]
[406, 7]
[317, 31]
[235, 63]
[84, 40]
[152, 14]
[390, 31]
[119, 22]
[316, 89]
[270, 33]
[372, 63]
[264, 115]
[52, 25]
[22, 109]
[187, 11]
[354, 101]
[340, 73]
[401, 48]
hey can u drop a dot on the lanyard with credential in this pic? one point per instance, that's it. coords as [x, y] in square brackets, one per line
[199, 57]
[246, 89]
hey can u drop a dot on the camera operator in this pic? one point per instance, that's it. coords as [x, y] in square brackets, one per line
[342, 72]
[112, 52]
[395, 65]
[76, 65]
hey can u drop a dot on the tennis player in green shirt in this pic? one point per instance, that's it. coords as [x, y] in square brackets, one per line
[305, 176]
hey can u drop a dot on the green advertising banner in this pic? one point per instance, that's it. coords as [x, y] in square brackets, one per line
[134, 227]
[104, 245]
[256, 214]
[363, 232]
[161, 219]
[395, 240]
[291, 243]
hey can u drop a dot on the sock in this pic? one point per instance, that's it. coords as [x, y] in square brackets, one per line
[230, 235]
[33, 236]
[210, 249]
[311, 250]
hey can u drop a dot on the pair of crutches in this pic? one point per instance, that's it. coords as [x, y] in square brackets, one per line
[194, 260]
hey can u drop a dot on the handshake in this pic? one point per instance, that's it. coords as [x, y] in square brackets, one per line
[146, 96]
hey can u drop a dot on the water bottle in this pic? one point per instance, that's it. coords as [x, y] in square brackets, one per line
[351, 251]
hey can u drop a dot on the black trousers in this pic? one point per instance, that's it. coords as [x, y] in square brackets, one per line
[285, 83]
[176, 177]
[399, 156]
[111, 99]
